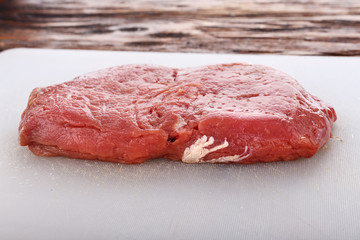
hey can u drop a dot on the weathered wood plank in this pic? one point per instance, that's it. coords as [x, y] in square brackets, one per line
[283, 27]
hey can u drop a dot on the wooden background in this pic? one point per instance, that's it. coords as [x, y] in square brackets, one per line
[297, 27]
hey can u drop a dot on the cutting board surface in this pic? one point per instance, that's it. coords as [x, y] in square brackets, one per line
[60, 198]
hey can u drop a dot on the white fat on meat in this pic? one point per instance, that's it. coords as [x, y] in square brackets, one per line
[196, 152]
[179, 123]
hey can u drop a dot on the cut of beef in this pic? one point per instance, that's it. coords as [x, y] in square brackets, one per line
[219, 113]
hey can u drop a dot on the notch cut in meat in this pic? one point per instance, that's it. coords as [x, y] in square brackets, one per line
[220, 113]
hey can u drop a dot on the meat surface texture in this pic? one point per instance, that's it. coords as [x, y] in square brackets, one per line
[222, 113]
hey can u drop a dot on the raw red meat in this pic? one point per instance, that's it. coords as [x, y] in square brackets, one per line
[220, 113]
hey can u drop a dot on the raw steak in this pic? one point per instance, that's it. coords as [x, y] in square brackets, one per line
[220, 114]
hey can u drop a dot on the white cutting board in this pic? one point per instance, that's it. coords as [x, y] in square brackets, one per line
[59, 198]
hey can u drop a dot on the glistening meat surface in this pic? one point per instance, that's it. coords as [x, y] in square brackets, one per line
[219, 113]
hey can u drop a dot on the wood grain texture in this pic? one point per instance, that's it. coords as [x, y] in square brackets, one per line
[298, 27]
